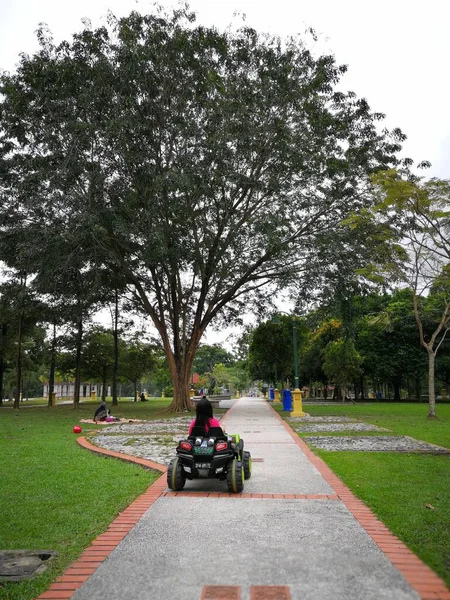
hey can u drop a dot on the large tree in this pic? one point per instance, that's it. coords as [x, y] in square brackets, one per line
[418, 212]
[199, 166]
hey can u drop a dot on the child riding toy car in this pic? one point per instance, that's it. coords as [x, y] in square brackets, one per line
[212, 454]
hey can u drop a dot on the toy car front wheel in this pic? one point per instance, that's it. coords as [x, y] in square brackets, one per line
[247, 463]
[235, 477]
[176, 477]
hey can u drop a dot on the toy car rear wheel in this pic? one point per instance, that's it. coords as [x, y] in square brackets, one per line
[176, 477]
[235, 477]
[247, 463]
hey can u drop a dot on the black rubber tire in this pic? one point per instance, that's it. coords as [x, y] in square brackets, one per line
[235, 477]
[176, 477]
[247, 463]
[241, 450]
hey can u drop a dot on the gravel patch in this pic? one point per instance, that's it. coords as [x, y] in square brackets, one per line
[337, 427]
[153, 440]
[386, 443]
[160, 449]
[169, 425]
[322, 420]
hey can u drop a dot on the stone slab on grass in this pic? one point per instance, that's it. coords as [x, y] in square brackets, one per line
[303, 428]
[401, 443]
[16, 565]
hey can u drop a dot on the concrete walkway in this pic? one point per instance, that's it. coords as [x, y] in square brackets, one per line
[295, 532]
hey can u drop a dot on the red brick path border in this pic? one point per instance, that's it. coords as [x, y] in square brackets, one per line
[426, 583]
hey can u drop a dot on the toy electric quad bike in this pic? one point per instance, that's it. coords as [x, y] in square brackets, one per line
[211, 455]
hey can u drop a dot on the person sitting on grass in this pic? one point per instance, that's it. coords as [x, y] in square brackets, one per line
[204, 416]
[102, 414]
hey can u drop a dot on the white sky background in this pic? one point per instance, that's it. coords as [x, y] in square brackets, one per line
[397, 51]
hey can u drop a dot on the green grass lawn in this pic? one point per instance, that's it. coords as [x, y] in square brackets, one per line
[56, 495]
[408, 492]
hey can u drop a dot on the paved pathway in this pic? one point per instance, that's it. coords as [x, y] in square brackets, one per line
[295, 532]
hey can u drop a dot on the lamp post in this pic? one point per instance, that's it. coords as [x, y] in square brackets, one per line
[297, 410]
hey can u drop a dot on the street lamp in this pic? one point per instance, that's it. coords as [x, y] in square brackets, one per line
[296, 394]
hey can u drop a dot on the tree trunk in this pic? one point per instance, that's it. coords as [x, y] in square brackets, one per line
[181, 375]
[3, 333]
[76, 391]
[431, 394]
[418, 388]
[2, 370]
[116, 349]
[18, 364]
[181, 397]
[135, 391]
[51, 377]
[396, 383]
[104, 385]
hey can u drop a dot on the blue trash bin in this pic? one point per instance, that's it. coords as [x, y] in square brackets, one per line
[287, 400]
[271, 394]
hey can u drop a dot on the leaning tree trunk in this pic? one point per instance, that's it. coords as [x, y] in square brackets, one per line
[431, 393]
[76, 391]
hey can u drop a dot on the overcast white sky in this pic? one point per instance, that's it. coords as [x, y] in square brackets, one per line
[397, 51]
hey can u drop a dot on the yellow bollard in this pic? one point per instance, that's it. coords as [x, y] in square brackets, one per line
[191, 393]
[297, 404]
[276, 394]
[93, 395]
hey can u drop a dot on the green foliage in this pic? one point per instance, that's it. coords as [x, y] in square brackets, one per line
[271, 349]
[137, 360]
[389, 341]
[342, 363]
[312, 353]
[208, 356]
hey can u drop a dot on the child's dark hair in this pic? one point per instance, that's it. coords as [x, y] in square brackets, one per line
[204, 412]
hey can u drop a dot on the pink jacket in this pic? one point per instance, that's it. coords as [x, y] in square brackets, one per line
[211, 423]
